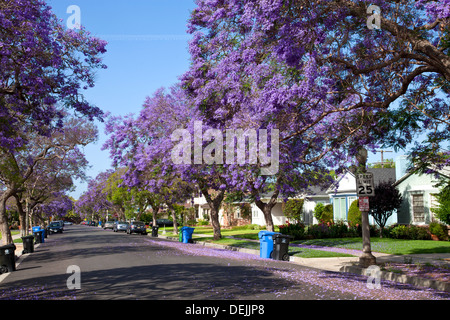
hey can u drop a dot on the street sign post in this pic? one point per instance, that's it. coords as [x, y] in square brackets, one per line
[365, 188]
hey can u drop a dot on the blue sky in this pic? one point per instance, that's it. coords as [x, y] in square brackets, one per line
[147, 50]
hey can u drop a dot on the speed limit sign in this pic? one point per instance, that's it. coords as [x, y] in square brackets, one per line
[364, 185]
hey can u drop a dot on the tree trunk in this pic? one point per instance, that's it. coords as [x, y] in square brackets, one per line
[175, 224]
[22, 216]
[214, 205]
[266, 208]
[4, 225]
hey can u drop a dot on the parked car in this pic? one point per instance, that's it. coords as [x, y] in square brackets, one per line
[164, 222]
[108, 225]
[93, 223]
[55, 227]
[137, 227]
[120, 226]
[67, 223]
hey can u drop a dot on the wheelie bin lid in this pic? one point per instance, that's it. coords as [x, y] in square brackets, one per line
[280, 235]
[265, 233]
[10, 246]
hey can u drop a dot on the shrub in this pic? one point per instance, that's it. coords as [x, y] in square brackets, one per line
[354, 215]
[327, 214]
[410, 232]
[439, 230]
[294, 208]
[296, 230]
[318, 209]
[323, 213]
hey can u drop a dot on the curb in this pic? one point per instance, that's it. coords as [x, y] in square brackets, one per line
[385, 275]
[401, 278]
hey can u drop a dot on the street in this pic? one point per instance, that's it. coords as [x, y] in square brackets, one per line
[117, 266]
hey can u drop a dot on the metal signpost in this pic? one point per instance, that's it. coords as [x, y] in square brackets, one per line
[365, 189]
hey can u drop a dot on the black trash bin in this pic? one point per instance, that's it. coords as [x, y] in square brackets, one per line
[7, 258]
[281, 247]
[38, 236]
[155, 231]
[28, 244]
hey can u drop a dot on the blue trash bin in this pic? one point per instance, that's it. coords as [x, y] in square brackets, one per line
[187, 234]
[266, 243]
[39, 234]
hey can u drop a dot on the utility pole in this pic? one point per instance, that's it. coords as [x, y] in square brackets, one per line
[382, 158]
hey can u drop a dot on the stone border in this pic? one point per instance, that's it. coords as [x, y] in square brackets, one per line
[385, 275]
[402, 278]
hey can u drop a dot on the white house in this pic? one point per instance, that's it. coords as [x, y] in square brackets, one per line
[418, 192]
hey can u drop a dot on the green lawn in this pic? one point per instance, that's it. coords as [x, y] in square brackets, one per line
[13, 232]
[384, 245]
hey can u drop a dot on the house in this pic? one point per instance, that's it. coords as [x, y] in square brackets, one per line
[343, 192]
[418, 191]
[314, 196]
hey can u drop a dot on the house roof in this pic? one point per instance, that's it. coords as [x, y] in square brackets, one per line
[445, 171]
[379, 175]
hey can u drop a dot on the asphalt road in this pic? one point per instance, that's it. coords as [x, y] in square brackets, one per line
[117, 266]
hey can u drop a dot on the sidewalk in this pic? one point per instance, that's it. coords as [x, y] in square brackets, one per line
[350, 264]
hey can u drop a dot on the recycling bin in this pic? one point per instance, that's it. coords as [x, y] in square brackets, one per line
[187, 234]
[266, 243]
[281, 247]
[7, 258]
[39, 235]
[155, 231]
[28, 244]
[180, 236]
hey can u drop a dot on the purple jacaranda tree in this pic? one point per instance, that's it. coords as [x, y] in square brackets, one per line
[20, 168]
[55, 207]
[144, 145]
[54, 176]
[240, 78]
[44, 69]
[94, 201]
[42, 64]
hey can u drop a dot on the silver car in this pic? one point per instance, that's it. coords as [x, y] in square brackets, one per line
[120, 226]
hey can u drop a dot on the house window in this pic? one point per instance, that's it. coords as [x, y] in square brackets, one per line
[418, 208]
[340, 209]
[434, 204]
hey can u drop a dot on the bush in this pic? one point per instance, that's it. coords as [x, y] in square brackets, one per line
[329, 230]
[323, 213]
[296, 230]
[293, 209]
[410, 232]
[354, 215]
[439, 230]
